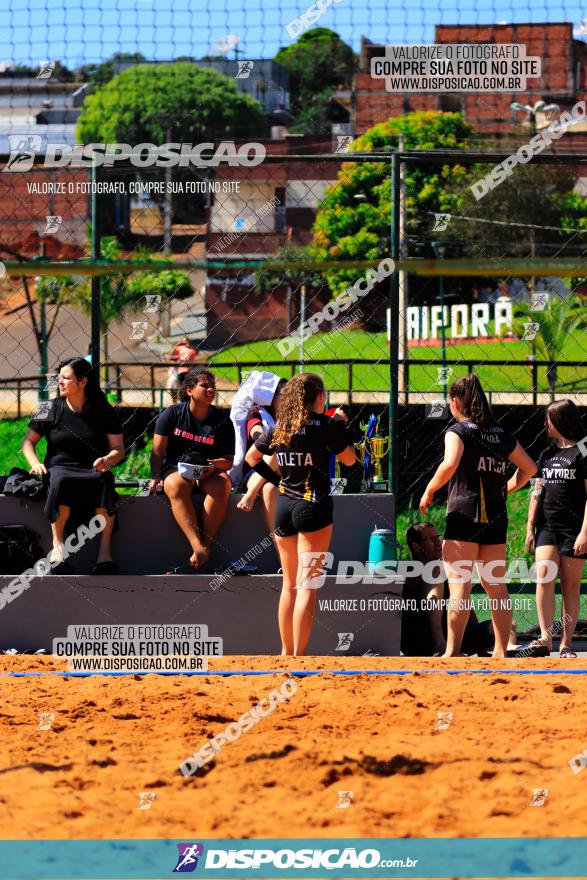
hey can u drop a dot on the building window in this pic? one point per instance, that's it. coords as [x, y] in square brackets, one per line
[450, 103]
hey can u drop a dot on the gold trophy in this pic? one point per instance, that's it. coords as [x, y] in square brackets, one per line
[378, 449]
[371, 451]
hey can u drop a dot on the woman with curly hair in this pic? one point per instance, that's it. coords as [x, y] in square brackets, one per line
[302, 439]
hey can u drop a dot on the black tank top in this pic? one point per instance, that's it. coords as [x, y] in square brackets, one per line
[478, 488]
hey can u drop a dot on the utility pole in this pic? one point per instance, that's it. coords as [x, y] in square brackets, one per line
[403, 279]
[167, 237]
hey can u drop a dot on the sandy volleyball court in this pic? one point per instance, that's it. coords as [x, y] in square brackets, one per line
[113, 738]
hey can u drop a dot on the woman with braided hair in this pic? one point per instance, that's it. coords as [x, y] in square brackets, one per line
[302, 439]
[476, 454]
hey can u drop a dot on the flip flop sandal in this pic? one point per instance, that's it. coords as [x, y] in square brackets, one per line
[567, 654]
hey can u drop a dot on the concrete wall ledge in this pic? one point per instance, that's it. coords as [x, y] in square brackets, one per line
[242, 610]
[149, 542]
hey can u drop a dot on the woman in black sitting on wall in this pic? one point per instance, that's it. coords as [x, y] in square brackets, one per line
[84, 440]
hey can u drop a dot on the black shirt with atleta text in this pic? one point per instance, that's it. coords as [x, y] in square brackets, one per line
[305, 462]
[478, 488]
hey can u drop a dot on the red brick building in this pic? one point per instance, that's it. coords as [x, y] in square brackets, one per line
[275, 205]
[563, 80]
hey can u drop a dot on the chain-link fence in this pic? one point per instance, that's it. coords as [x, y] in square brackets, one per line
[147, 270]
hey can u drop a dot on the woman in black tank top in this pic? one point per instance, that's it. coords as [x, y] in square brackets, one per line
[476, 456]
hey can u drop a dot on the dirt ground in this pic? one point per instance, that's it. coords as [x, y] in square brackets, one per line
[113, 738]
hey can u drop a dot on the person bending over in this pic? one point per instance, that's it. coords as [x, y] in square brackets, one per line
[254, 411]
[194, 429]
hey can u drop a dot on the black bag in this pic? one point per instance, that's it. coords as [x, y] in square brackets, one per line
[21, 484]
[20, 548]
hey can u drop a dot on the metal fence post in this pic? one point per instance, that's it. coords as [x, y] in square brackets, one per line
[95, 318]
[393, 460]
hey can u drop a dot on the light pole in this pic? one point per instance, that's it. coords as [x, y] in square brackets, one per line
[302, 322]
[533, 111]
[439, 252]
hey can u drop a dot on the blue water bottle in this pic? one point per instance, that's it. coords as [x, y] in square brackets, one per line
[382, 547]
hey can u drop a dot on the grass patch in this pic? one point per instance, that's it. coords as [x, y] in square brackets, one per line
[134, 467]
[358, 344]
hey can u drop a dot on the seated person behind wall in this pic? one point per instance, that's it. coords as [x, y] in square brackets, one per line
[424, 630]
[84, 440]
[260, 396]
[194, 426]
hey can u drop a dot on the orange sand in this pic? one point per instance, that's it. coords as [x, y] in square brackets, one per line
[113, 738]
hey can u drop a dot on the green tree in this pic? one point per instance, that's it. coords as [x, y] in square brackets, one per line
[177, 103]
[547, 331]
[270, 277]
[531, 210]
[146, 103]
[100, 74]
[318, 63]
[353, 220]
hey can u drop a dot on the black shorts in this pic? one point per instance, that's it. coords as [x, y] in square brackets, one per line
[563, 540]
[293, 515]
[462, 528]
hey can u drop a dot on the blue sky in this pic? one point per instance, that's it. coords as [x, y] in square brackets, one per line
[83, 31]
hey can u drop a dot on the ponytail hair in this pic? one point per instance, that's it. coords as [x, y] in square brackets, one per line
[474, 404]
[295, 408]
[566, 418]
[84, 370]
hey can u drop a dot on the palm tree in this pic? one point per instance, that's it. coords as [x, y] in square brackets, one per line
[547, 331]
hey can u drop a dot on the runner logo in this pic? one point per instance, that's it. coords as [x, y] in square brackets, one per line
[46, 71]
[187, 860]
[539, 795]
[345, 799]
[444, 374]
[22, 152]
[438, 409]
[45, 720]
[53, 224]
[440, 222]
[444, 720]
[540, 301]
[146, 799]
[530, 330]
[153, 303]
[344, 641]
[245, 69]
[138, 329]
[343, 143]
[314, 564]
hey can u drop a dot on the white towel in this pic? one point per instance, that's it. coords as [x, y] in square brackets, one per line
[258, 389]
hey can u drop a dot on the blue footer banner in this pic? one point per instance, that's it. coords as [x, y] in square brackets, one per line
[302, 858]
